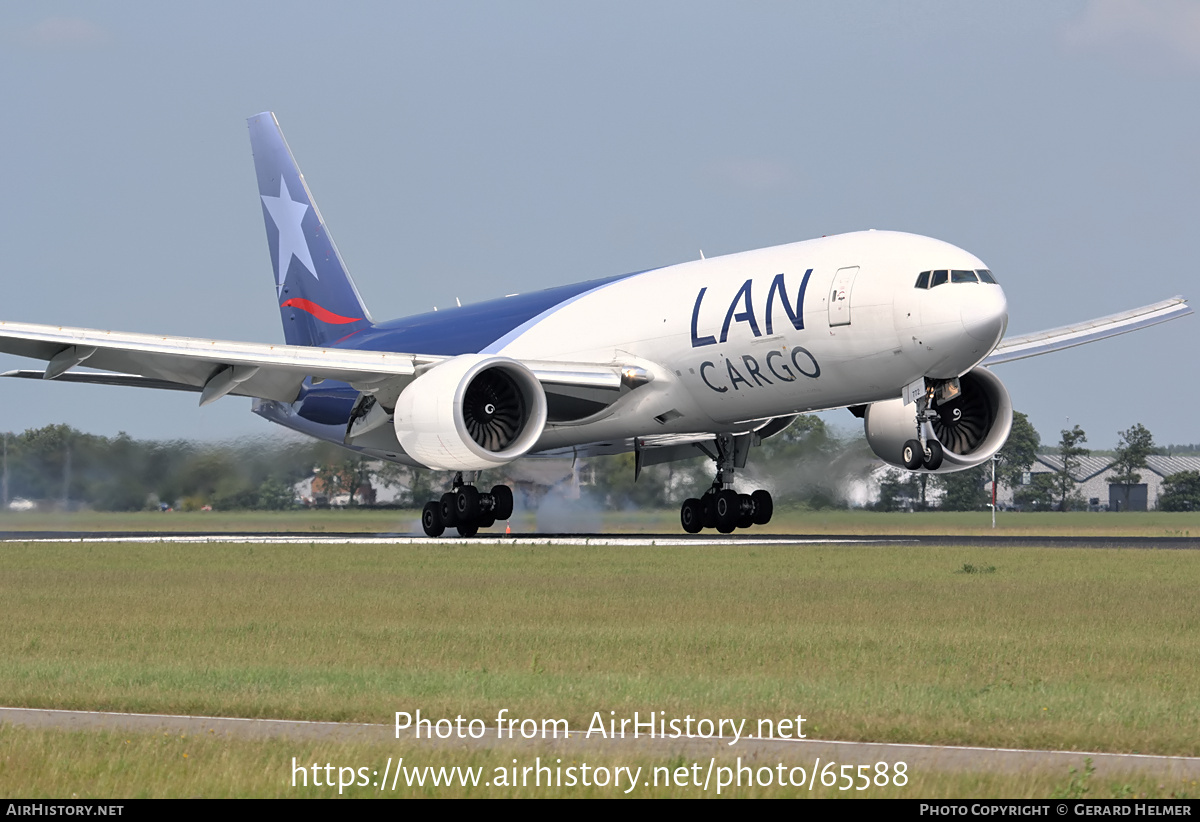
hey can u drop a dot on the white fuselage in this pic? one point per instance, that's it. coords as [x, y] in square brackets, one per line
[825, 323]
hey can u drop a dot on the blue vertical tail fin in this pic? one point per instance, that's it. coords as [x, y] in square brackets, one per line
[317, 299]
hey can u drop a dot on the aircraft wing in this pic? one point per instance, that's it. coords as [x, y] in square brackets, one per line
[217, 367]
[1069, 336]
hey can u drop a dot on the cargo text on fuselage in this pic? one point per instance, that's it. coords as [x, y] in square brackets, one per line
[742, 310]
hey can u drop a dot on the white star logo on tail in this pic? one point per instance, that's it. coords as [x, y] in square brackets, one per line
[288, 214]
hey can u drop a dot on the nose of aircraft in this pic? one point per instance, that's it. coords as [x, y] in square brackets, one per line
[985, 313]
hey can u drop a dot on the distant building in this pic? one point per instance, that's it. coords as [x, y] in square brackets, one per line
[321, 491]
[1093, 475]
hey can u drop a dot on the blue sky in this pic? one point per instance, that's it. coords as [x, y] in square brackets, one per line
[468, 150]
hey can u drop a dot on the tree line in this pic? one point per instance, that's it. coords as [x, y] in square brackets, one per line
[65, 466]
[60, 465]
[808, 464]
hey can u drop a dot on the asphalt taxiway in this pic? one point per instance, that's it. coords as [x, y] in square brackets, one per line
[943, 758]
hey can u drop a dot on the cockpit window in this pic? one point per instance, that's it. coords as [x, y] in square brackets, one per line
[931, 279]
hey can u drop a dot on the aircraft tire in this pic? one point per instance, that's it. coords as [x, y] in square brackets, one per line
[691, 516]
[487, 521]
[745, 509]
[913, 455]
[727, 510]
[934, 455]
[449, 510]
[431, 519]
[764, 506]
[468, 530]
[708, 511]
[467, 504]
[502, 502]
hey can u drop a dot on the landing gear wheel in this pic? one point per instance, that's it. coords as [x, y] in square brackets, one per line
[449, 513]
[933, 455]
[726, 508]
[468, 530]
[431, 519]
[467, 504]
[487, 521]
[746, 517]
[764, 506]
[913, 455]
[708, 511]
[502, 505]
[691, 516]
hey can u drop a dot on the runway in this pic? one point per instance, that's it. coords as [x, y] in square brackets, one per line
[939, 758]
[615, 540]
[631, 540]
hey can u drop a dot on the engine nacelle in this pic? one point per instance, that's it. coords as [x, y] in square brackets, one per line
[971, 428]
[470, 413]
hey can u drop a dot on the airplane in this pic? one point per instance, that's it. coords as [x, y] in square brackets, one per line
[710, 357]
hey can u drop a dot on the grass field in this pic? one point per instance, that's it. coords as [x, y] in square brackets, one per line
[57, 764]
[1152, 524]
[1067, 649]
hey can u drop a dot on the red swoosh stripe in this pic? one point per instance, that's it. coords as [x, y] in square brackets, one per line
[318, 312]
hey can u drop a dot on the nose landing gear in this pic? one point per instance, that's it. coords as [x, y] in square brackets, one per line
[924, 451]
[928, 456]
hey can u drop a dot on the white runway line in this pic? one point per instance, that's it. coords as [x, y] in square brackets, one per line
[373, 539]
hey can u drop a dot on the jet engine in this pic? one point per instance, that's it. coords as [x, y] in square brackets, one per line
[470, 412]
[971, 427]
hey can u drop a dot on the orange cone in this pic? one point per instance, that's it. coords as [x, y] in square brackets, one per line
[507, 527]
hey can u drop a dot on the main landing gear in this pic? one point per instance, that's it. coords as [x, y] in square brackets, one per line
[720, 506]
[466, 508]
